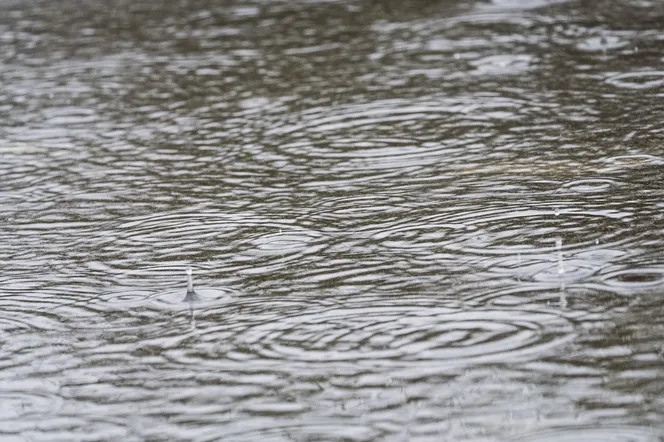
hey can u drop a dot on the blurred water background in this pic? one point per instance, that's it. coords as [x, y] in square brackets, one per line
[407, 221]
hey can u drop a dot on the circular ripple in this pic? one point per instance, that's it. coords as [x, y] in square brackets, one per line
[255, 241]
[407, 334]
[634, 280]
[580, 302]
[288, 244]
[28, 398]
[369, 138]
[171, 299]
[20, 403]
[419, 235]
[333, 429]
[280, 243]
[607, 433]
[634, 160]
[208, 296]
[588, 186]
[638, 80]
[511, 230]
[143, 312]
[504, 64]
[25, 318]
[602, 43]
[507, 230]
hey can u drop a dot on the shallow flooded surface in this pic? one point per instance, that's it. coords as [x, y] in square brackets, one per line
[407, 221]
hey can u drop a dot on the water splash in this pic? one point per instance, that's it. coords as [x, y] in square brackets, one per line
[561, 271]
[191, 295]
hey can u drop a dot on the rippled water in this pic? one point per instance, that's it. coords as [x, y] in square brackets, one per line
[407, 221]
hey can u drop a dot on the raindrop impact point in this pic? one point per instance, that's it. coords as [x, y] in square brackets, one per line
[191, 295]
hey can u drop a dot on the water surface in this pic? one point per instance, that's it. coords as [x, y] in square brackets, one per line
[407, 221]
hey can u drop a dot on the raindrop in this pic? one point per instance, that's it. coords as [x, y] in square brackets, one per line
[191, 295]
[561, 271]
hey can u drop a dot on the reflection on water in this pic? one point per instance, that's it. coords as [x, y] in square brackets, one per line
[406, 221]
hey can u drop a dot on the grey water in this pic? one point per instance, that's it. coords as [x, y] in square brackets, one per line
[407, 221]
